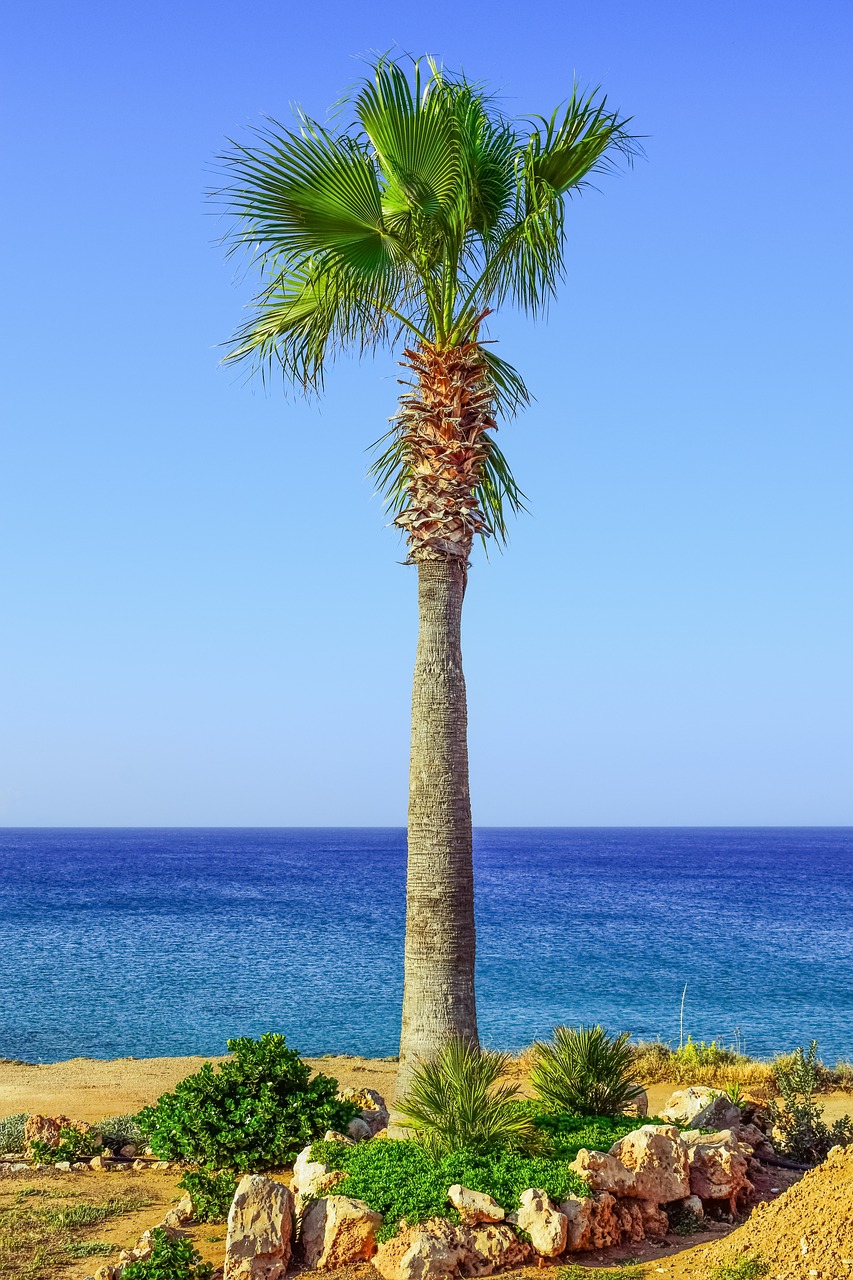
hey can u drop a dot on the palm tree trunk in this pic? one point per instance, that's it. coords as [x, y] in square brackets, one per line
[438, 994]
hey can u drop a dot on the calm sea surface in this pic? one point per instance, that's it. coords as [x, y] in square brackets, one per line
[152, 942]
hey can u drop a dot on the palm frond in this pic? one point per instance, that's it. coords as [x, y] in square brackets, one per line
[455, 1101]
[584, 1071]
[415, 140]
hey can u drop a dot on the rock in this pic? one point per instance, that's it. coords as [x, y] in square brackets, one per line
[656, 1160]
[105, 1272]
[80, 1166]
[99, 1162]
[160, 1164]
[313, 1178]
[684, 1104]
[129, 1150]
[44, 1129]
[432, 1251]
[338, 1231]
[640, 1105]
[359, 1130]
[374, 1112]
[717, 1115]
[592, 1222]
[544, 1224]
[18, 1166]
[694, 1207]
[260, 1227]
[474, 1206]
[140, 1164]
[437, 1249]
[63, 1165]
[718, 1167]
[183, 1212]
[332, 1136]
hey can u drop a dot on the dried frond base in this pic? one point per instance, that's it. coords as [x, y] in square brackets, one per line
[442, 423]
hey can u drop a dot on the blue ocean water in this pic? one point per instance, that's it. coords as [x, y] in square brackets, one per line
[141, 943]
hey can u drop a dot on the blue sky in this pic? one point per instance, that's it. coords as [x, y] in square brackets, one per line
[205, 619]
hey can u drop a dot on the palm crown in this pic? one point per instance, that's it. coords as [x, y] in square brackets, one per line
[416, 221]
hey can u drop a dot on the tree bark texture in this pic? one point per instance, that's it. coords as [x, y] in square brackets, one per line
[438, 997]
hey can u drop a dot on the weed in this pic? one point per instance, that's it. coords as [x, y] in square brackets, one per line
[626, 1271]
[748, 1268]
[89, 1249]
[798, 1118]
[86, 1215]
[169, 1260]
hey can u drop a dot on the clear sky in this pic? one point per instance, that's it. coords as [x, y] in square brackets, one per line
[204, 618]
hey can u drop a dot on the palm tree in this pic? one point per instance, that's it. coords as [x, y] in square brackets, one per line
[407, 228]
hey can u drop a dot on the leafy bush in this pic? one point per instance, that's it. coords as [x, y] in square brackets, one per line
[454, 1102]
[118, 1131]
[803, 1134]
[584, 1071]
[169, 1260]
[256, 1111]
[406, 1184]
[73, 1145]
[211, 1193]
[12, 1133]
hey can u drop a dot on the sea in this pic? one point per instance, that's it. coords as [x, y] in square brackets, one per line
[151, 942]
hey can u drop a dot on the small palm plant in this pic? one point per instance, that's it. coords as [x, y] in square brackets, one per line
[455, 1102]
[584, 1071]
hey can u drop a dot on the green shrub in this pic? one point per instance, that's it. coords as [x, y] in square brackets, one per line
[454, 1102]
[73, 1145]
[118, 1131]
[585, 1072]
[12, 1133]
[566, 1134]
[406, 1184]
[255, 1111]
[169, 1260]
[211, 1193]
[803, 1134]
[711, 1054]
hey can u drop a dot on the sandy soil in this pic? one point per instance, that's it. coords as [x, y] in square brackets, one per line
[91, 1088]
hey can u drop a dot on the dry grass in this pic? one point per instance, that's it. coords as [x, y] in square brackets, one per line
[703, 1064]
[41, 1229]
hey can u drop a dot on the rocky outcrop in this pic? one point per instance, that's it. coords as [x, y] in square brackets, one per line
[474, 1207]
[438, 1250]
[684, 1104]
[338, 1231]
[313, 1178]
[543, 1223]
[260, 1229]
[718, 1167]
[648, 1164]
